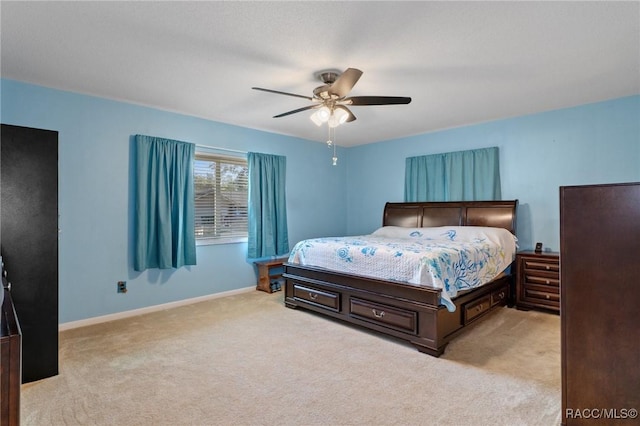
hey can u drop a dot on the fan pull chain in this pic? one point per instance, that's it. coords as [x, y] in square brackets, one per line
[331, 143]
[334, 160]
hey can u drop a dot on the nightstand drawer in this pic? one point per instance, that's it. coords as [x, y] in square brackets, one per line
[388, 316]
[541, 293]
[542, 265]
[543, 280]
[323, 298]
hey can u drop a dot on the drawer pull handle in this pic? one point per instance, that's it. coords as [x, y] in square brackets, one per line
[313, 296]
[547, 281]
[377, 314]
[547, 267]
[479, 308]
[501, 295]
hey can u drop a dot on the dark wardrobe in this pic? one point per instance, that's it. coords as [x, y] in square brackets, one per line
[600, 303]
[29, 241]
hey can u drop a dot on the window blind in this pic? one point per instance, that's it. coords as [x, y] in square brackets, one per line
[221, 191]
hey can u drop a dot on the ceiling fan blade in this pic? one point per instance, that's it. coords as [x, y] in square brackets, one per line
[345, 82]
[351, 116]
[296, 110]
[377, 100]
[282, 93]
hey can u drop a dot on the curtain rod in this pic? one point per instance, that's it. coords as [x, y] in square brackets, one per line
[220, 149]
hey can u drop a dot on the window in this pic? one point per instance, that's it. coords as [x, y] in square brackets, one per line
[221, 189]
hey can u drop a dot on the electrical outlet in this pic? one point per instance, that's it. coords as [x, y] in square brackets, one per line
[122, 286]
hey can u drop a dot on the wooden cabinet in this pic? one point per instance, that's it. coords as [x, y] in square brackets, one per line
[270, 274]
[29, 228]
[538, 280]
[600, 300]
[10, 364]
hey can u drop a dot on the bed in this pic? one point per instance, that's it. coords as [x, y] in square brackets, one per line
[419, 313]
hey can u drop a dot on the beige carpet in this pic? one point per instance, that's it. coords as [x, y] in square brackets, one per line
[248, 360]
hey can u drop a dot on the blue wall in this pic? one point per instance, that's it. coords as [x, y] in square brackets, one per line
[95, 197]
[597, 143]
[590, 144]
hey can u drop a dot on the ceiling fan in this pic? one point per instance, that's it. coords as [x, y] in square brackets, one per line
[331, 100]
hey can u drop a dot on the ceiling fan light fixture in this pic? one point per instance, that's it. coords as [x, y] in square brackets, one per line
[338, 117]
[324, 114]
[316, 120]
[341, 115]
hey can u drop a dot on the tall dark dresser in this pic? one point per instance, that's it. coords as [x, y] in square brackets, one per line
[29, 230]
[600, 303]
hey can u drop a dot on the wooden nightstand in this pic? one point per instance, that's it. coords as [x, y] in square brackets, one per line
[267, 275]
[538, 281]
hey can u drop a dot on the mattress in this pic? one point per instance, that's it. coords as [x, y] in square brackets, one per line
[450, 258]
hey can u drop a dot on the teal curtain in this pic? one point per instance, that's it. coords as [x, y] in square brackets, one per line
[268, 234]
[164, 204]
[454, 176]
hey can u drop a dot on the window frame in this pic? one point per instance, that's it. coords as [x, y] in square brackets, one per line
[202, 155]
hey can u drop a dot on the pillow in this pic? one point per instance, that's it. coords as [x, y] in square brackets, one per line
[398, 232]
[450, 233]
[481, 233]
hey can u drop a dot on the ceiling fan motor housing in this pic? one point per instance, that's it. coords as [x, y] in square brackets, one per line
[322, 92]
[328, 78]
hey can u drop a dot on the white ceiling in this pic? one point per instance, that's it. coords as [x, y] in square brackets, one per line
[461, 62]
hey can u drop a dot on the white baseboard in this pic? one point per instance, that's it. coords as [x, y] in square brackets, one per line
[126, 314]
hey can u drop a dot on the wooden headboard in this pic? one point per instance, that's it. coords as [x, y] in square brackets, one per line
[499, 214]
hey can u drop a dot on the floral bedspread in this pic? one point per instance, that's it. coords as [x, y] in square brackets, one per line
[449, 258]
